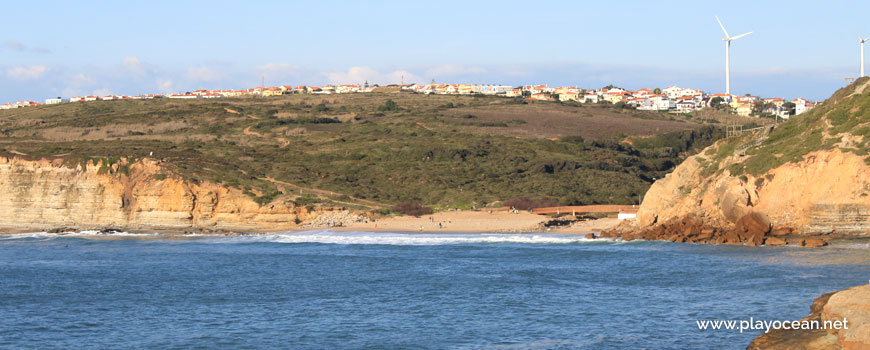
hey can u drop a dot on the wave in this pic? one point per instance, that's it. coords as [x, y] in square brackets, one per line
[393, 238]
[80, 234]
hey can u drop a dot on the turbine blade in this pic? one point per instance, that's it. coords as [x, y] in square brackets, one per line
[721, 26]
[740, 36]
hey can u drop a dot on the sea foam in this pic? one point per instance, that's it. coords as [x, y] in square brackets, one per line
[395, 238]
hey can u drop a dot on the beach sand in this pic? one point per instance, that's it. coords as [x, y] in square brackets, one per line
[466, 221]
[477, 222]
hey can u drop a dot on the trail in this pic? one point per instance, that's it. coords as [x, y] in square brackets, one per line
[370, 204]
[248, 131]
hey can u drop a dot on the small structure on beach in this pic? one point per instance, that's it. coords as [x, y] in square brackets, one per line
[627, 214]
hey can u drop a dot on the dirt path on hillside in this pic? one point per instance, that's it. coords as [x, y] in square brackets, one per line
[370, 204]
[282, 142]
[248, 131]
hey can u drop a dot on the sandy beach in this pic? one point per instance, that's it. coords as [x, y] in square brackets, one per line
[499, 221]
[465, 221]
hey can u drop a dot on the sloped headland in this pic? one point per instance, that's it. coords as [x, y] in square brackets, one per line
[801, 183]
[804, 182]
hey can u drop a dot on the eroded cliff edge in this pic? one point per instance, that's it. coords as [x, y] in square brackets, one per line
[133, 195]
[804, 179]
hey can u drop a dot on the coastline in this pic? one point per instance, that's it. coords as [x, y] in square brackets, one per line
[465, 221]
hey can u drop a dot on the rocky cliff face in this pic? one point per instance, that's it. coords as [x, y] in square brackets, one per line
[139, 195]
[807, 176]
[826, 191]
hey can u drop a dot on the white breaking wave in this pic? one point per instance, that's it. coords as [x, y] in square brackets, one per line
[46, 235]
[391, 238]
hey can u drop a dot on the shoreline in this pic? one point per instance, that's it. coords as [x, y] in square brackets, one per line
[465, 221]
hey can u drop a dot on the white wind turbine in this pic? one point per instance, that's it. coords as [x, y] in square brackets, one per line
[728, 39]
[861, 40]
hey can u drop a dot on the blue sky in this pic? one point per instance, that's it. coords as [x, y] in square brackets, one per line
[62, 49]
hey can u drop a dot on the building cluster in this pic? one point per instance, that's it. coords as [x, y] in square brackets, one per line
[669, 99]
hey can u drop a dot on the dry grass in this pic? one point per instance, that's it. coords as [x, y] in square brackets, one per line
[105, 132]
[551, 120]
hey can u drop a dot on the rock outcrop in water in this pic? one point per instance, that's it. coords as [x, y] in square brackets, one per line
[45, 194]
[808, 176]
[852, 304]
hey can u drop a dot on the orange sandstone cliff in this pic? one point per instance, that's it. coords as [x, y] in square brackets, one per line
[44, 194]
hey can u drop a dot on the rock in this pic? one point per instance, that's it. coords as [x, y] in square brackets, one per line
[781, 231]
[813, 242]
[62, 230]
[754, 222]
[752, 227]
[774, 241]
[853, 304]
[791, 339]
[734, 200]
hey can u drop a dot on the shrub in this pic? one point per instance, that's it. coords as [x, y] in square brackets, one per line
[389, 106]
[321, 108]
[524, 203]
[412, 208]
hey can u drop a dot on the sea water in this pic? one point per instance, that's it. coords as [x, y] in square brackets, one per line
[359, 290]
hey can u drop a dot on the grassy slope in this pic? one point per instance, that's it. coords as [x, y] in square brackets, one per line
[845, 116]
[447, 151]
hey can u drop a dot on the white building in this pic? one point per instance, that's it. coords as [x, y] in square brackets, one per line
[672, 92]
[627, 214]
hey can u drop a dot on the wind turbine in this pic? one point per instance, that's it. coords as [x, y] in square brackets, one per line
[862, 55]
[727, 40]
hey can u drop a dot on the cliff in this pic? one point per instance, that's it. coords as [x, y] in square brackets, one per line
[852, 304]
[807, 177]
[133, 195]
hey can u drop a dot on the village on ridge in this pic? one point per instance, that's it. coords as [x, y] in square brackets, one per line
[670, 99]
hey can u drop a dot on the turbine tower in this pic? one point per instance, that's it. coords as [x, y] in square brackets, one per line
[861, 40]
[727, 40]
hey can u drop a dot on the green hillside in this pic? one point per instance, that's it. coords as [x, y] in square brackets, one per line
[374, 150]
[842, 121]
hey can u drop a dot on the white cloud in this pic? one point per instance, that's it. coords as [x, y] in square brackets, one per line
[287, 73]
[26, 72]
[362, 74]
[132, 64]
[101, 92]
[165, 85]
[279, 68]
[16, 45]
[453, 70]
[203, 74]
[76, 85]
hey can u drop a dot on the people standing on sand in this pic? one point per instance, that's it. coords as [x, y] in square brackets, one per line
[421, 228]
[439, 226]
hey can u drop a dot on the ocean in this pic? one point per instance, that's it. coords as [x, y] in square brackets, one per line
[359, 290]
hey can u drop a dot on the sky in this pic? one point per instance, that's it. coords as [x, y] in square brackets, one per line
[56, 48]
